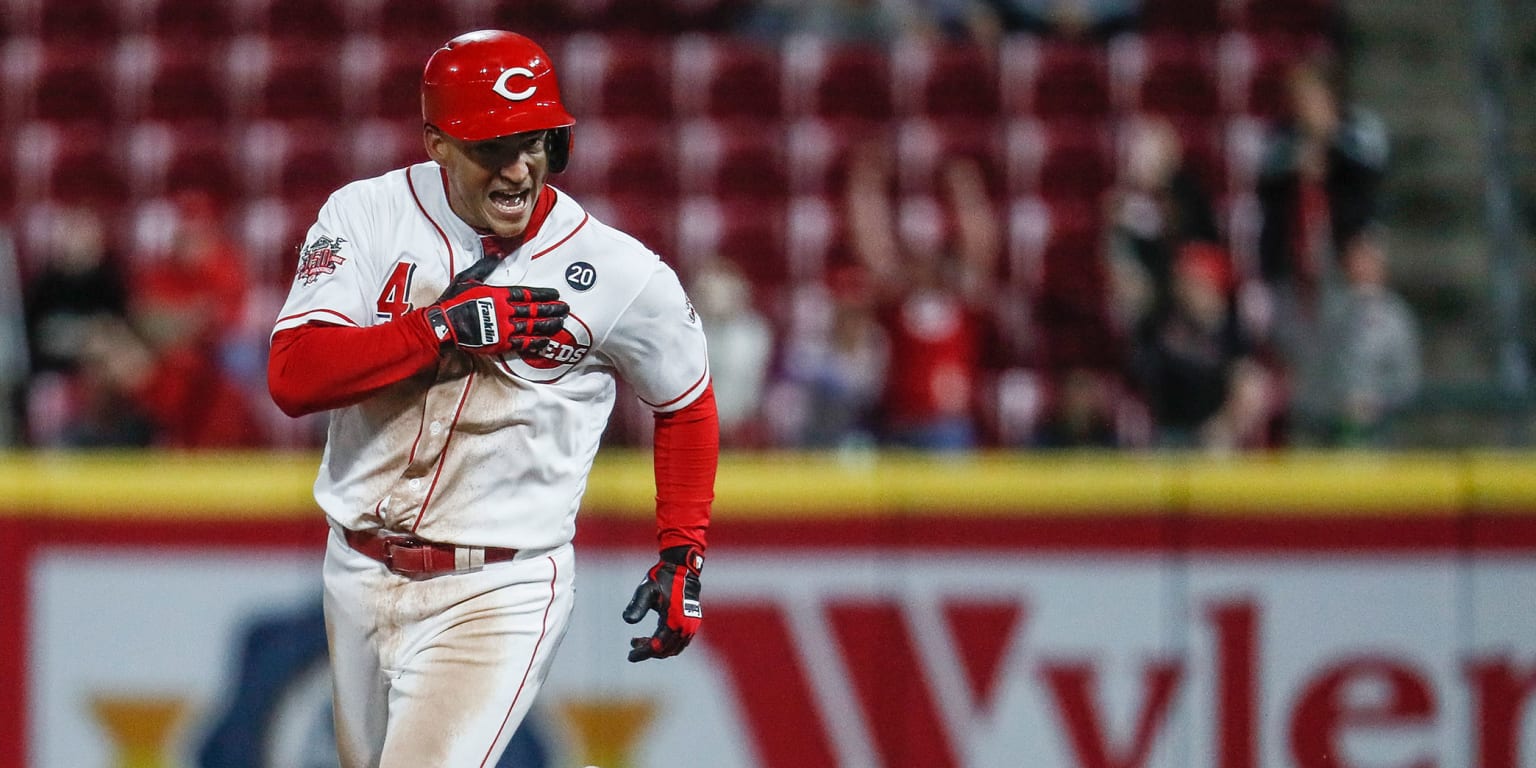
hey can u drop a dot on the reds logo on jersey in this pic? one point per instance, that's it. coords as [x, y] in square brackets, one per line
[566, 348]
[321, 257]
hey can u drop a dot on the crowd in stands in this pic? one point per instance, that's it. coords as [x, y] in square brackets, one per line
[929, 224]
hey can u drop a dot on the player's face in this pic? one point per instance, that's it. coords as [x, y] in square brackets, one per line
[493, 184]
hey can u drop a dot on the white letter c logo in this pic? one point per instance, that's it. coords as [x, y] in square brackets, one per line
[501, 84]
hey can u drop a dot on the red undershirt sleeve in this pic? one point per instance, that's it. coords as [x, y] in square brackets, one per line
[317, 367]
[687, 454]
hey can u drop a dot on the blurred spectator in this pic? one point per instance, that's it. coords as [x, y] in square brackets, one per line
[842, 21]
[833, 365]
[740, 350]
[1364, 362]
[14, 343]
[193, 294]
[76, 284]
[133, 394]
[76, 281]
[1193, 362]
[1318, 181]
[1157, 205]
[1083, 414]
[934, 287]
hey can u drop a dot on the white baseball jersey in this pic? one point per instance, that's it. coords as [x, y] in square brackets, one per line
[486, 450]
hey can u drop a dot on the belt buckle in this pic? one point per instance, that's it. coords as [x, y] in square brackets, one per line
[399, 541]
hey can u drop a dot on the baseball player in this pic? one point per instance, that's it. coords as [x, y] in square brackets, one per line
[465, 324]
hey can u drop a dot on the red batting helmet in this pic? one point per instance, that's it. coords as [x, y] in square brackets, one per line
[490, 83]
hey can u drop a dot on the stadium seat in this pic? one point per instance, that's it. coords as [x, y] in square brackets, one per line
[651, 220]
[615, 76]
[1054, 78]
[739, 159]
[816, 237]
[817, 151]
[1061, 159]
[80, 22]
[1055, 255]
[271, 230]
[1166, 75]
[194, 21]
[1201, 18]
[288, 80]
[725, 78]
[1294, 18]
[623, 157]
[926, 147]
[184, 82]
[376, 146]
[749, 232]
[945, 80]
[384, 77]
[167, 158]
[837, 81]
[421, 19]
[72, 163]
[1254, 69]
[61, 83]
[320, 22]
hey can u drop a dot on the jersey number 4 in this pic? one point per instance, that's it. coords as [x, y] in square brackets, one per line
[392, 300]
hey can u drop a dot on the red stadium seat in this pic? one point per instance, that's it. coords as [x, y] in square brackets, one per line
[1055, 78]
[376, 146]
[71, 163]
[925, 149]
[817, 151]
[946, 80]
[816, 237]
[94, 22]
[1294, 18]
[318, 21]
[384, 77]
[740, 159]
[651, 220]
[726, 78]
[614, 77]
[621, 158]
[194, 21]
[1255, 68]
[62, 83]
[167, 158]
[1063, 159]
[289, 80]
[183, 82]
[1166, 75]
[1184, 17]
[837, 81]
[271, 230]
[749, 232]
[421, 19]
[1055, 258]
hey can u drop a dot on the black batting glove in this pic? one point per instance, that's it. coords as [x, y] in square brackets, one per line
[493, 320]
[671, 587]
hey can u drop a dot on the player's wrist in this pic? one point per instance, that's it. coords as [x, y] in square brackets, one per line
[438, 324]
[685, 555]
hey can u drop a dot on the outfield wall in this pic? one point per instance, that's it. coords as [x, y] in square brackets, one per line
[907, 612]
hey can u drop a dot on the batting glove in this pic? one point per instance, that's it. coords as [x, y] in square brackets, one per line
[494, 320]
[671, 587]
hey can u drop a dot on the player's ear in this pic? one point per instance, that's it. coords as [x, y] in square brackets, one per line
[435, 142]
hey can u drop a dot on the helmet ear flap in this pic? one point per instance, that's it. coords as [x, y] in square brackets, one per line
[559, 148]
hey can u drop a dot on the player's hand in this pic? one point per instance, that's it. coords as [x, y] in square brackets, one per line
[494, 320]
[671, 587]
